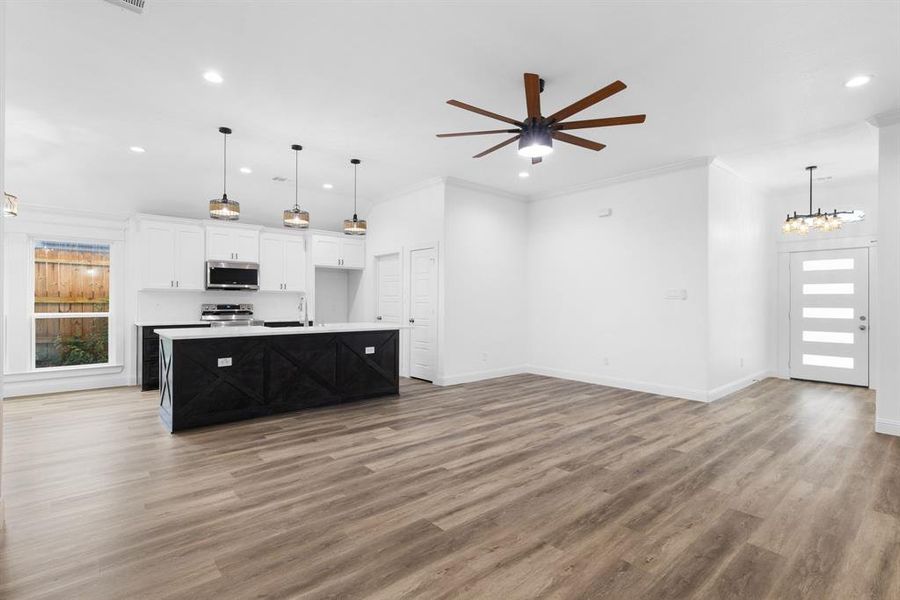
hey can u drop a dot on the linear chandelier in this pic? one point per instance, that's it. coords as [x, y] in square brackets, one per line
[819, 221]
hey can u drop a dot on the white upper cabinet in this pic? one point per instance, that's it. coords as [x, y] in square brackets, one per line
[232, 243]
[282, 263]
[171, 256]
[338, 252]
[354, 253]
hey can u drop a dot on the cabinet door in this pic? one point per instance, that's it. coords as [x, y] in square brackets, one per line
[295, 265]
[189, 255]
[271, 264]
[219, 244]
[353, 253]
[326, 250]
[246, 245]
[157, 255]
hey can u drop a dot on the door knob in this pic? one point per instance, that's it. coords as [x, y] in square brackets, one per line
[378, 318]
[862, 317]
[862, 327]
[412, 320]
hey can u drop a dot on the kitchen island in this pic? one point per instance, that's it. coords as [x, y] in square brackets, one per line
[225, 374]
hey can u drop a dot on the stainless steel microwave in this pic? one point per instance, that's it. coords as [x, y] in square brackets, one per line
[231, 275]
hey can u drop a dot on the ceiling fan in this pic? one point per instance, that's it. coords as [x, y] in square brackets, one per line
[537, 132]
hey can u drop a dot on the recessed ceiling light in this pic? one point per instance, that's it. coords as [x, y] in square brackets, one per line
[524, 174]
[246, 170]
[858, 81]
[213, 77]
[327, 186]
[137, 149]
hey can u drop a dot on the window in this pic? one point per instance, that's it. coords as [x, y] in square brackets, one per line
[71, 304]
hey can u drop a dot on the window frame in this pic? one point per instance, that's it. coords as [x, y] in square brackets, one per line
[33, 316]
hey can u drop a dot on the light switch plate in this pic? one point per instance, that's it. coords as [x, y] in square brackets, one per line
[370, 349]
[225, 362]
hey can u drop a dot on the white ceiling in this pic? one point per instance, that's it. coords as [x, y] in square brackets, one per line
[86, 80]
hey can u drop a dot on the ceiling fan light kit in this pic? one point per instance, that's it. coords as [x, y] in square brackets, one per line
[536, 132]
[819, 221]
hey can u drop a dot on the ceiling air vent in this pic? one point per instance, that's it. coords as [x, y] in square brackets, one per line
[132, 5]
[279, 179]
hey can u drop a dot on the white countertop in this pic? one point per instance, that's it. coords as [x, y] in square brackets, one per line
[232, 332]
[161, 322]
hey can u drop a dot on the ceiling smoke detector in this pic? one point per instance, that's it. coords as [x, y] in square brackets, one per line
[132, 5]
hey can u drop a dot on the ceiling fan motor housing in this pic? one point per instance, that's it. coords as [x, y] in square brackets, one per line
[535, 132]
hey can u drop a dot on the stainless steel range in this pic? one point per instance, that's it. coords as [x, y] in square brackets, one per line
[228, 315]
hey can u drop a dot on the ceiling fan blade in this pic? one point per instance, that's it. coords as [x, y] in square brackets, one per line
[608, 122]
[587, 101]
[578, 141]
[482, 112]
[443, 135]
[533, 95]
[497, 147]
[536, 160]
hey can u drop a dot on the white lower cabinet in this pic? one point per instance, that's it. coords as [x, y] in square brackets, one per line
[338, 252]
[282, 263]
[171, 256]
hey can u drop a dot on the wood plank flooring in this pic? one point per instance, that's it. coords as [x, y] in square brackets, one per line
[520, 487]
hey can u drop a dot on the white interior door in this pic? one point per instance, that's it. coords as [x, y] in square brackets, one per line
[830, 316]
[423, 294]
[389, 300]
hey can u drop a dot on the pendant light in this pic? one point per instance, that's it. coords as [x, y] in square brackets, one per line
[354, 226]
[296, 218]
[819, 221]
[10, 205]
[223, 208]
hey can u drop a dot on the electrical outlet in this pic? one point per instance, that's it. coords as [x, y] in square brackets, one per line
[742, 362]
[225, 362]
[605, 361]
[484, 357]
[370, 349]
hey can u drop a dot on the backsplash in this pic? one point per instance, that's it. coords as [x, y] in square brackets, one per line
[184, 306]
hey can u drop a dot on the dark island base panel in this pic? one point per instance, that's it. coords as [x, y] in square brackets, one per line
[149, 341]
[272, 374]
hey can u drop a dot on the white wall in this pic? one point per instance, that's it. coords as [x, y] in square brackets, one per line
[741, 259]
[887, 398]
[2, 188]
[407, 219]
[597, 286]
[486, 298]
[332, 293]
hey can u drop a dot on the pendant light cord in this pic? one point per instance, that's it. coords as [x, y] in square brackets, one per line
[354, 190]
[810, 190]
[296, 180]
[224, 165]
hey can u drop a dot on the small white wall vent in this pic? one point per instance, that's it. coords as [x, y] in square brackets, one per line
[132, 5]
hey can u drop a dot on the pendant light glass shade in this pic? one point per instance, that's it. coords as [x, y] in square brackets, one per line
[222, 208]
[354, 226]
[825, 222]
[294, 217]
[10, 205]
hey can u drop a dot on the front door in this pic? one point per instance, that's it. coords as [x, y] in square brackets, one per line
[423, 292]
[830, 316]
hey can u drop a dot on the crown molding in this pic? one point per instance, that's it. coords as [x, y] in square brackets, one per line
[885, 119]
[693, 163]
[478, 187]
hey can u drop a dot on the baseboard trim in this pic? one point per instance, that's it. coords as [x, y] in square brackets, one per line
[627, 384]
[737, 385]
[13, 389]
[480, 375]
[2, 514]
[887, 426]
